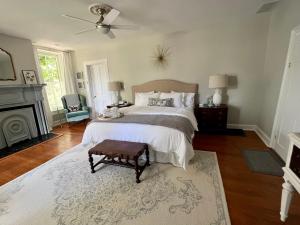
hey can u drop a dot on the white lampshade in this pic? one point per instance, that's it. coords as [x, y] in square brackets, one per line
[218, 81]
[114, 86]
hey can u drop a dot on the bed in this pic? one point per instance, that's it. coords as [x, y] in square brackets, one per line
[167, 144]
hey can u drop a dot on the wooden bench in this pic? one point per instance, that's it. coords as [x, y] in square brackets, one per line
[121, 153]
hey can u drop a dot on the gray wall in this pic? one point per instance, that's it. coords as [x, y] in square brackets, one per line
[236, 49]
[21, 51]
[285, 17]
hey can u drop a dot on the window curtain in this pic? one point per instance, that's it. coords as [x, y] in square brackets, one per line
[41, 80]
[67, 78]
[67, 73]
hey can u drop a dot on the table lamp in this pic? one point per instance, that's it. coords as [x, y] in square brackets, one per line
[218, 82]
[115, 87]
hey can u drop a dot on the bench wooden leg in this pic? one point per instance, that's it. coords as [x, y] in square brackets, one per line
[137, 172]
[147, 157]
[91, 163]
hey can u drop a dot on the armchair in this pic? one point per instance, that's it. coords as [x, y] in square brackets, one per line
[69, 101]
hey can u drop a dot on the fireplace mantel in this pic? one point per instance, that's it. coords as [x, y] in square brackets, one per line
[20, 94]
[17, 97]
[22, 86]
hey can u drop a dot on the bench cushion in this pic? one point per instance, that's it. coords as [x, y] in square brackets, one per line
[119, 148]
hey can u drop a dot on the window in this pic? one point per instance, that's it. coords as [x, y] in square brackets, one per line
[50, 70]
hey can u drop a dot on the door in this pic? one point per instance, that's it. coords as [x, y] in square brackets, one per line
[98, 79]
[288, 119]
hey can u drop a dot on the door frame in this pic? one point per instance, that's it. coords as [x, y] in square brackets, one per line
[87, 78]
[276, 123]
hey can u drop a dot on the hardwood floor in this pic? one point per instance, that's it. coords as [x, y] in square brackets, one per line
[252, 198]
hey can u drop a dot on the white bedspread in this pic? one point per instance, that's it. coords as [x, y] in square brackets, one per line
[167, 145]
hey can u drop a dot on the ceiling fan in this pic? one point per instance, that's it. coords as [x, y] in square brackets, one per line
[107, 16]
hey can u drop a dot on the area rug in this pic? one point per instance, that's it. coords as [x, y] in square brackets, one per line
[64, 192]
[265, 162]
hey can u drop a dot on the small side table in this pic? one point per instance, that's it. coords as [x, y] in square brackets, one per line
[211, 118]
[291, 175]
[120, 105]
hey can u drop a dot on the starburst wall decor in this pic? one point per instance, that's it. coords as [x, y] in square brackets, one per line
[161, 56]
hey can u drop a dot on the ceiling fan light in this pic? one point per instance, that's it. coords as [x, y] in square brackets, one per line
[103, 30]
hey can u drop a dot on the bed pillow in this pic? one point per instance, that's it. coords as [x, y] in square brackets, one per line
[188, 99]
[164, 102]
[177, 98]
[142, 98]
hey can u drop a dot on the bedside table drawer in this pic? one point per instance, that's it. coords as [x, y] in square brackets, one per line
[211, 118]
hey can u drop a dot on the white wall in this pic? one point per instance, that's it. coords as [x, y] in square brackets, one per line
[285, 17]
[235, 49]
[21, 51]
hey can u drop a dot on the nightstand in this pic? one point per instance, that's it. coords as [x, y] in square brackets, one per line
[120, 105]
[211, 118]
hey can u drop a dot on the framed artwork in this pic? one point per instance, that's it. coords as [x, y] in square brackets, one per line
[80, 85]
[29, 76]
[79, 76]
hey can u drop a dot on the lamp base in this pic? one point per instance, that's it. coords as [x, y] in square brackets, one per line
[217, 98]
[115, 98]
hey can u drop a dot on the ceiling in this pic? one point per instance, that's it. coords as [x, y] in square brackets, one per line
[41, 20]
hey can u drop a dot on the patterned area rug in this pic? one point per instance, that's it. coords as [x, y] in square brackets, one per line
[63, 191]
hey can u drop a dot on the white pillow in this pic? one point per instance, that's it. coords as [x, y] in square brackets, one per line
[142, 98]
[188, 99]
[177, 97]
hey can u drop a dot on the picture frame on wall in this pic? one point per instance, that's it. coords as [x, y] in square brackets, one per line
[80, 85]
[29, 76]
[79, 75]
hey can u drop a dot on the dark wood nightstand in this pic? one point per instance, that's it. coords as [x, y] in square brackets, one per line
[120, 105]
[211, 118]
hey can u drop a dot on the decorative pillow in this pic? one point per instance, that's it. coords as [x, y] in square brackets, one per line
[188, 99]
[142, 98]
[177, 98]
[165, 102]
[74, 108]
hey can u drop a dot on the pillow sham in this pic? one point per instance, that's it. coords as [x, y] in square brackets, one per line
[188, 99]
[141, 98]
[177, 98]
[163, 102]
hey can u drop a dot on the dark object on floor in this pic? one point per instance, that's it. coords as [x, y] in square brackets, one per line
[230, 132]
[266, 162]
[126, 153]
[26, 144]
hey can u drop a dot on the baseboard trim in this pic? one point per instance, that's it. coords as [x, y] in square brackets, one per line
[242, 126]
[263, 136]
[260, 133]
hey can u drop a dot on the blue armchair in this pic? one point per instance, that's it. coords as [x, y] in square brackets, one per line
[72, 100]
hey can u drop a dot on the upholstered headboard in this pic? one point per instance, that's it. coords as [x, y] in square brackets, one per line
[166, 86]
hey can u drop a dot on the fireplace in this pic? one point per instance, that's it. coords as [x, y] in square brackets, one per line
[22, 114]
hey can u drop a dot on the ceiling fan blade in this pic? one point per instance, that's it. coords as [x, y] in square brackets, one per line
[110, 34]
[111, 16]
[125, 27]
[77, 18]
[87, 30]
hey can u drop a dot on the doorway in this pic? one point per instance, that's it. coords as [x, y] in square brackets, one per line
[287, 117]
[96, 78]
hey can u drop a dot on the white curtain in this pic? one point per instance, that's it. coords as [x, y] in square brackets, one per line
[67, 78]
[67, 73]
[41, 80]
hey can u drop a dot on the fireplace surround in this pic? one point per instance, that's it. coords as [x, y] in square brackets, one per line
[22, 113]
